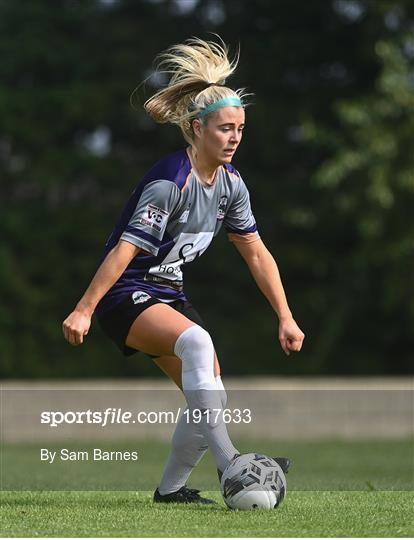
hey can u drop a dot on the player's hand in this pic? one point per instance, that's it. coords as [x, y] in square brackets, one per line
[76, 327]
[290, 335]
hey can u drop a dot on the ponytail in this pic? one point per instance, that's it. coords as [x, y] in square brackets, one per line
[199, 70]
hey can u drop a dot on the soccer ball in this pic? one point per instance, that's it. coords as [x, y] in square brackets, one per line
[253, 481]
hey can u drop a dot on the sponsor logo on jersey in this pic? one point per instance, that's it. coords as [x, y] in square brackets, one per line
[188, 247]
[154, 217]
[139, 297]
[222, 207]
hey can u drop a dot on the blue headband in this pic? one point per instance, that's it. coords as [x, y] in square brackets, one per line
[225, 102]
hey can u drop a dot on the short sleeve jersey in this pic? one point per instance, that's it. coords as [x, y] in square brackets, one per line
[173, 217]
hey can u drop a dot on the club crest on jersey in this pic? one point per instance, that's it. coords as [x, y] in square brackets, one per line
[139, 297]
[222, 207]
[154, 217]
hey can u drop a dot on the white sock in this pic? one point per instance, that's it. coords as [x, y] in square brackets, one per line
[188, 448]
[196, 351]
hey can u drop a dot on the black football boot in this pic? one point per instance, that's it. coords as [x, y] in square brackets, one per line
[184, 495]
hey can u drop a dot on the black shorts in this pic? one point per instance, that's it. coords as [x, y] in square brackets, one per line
[117, 322]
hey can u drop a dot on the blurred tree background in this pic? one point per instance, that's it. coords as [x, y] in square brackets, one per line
[328, 155]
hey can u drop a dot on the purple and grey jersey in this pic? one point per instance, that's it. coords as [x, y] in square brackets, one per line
[173, 217]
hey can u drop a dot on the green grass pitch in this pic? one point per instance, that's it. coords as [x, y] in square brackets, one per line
[337, 488]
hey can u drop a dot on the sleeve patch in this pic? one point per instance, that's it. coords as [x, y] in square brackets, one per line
[153, 217]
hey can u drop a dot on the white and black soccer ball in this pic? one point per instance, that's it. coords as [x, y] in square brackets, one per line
[253, 481]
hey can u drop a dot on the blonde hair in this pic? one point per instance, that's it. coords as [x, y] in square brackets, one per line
[199, 70]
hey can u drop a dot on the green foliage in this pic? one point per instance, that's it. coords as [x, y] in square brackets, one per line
[327, 154]
[369, 180]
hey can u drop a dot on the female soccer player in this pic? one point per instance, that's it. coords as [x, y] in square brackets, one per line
[170, 220]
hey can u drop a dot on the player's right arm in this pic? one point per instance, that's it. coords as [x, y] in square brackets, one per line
[77, 324]
[144, 232]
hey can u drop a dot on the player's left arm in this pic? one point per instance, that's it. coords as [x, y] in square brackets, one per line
[266, 274]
